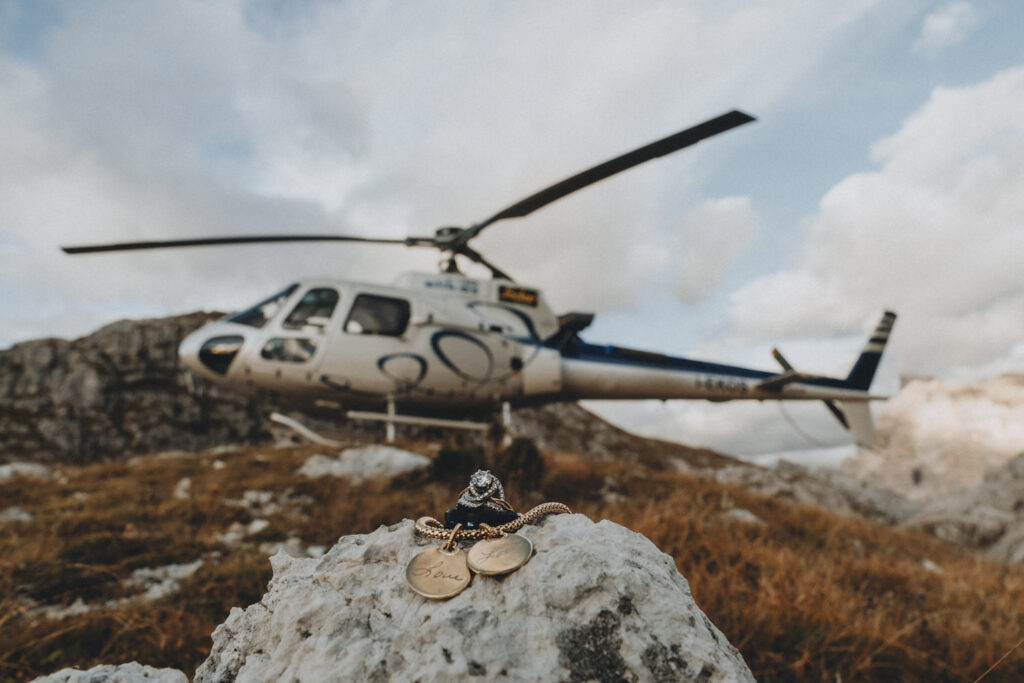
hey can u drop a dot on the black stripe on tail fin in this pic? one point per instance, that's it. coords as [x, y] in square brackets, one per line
[864, 369]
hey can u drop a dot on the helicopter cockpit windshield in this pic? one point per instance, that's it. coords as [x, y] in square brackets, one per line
[258, 315]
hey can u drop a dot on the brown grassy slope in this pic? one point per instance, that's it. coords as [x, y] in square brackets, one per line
[806, 595]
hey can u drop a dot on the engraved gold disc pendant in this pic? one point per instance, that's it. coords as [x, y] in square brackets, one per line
[500, 555]
[438, 574]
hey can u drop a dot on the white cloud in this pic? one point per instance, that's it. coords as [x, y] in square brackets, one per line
[933, 233]
[947, 26]
[185, 119]
[710, 238]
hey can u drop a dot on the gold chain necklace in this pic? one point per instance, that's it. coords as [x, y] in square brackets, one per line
[431, 528]
[444, 572]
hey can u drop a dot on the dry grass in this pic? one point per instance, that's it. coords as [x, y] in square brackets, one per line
[805, 596]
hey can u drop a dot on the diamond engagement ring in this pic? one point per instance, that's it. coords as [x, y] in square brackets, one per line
[484, 490]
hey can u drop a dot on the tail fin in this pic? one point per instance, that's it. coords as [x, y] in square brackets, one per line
[864, 369]
[858, 420]
[855, 415]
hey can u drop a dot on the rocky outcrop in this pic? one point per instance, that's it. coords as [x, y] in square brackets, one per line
[361, 464]
[828, 489]
[822, 487]
[988, 517]
[596, 602]
[115, 392]
[570, 427]
[122, 673]
[938, 436]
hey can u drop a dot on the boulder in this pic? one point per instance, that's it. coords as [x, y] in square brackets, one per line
[828, 489]
[988, 517]
[939, 436]
[121, 673]
[596, 602]
[23, 469]
[571, 427]
[368, 462]
[112, 393]
[16, 515]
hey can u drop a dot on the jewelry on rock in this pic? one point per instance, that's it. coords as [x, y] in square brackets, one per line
[431, 528]
[484, 489]
[441, 573]
[501, 555]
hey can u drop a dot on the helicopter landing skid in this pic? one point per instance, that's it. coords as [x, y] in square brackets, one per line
[303, 430]
[391, 418]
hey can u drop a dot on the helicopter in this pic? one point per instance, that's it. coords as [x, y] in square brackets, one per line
[436, 348]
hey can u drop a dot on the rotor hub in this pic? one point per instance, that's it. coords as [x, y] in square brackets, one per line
[446, 235]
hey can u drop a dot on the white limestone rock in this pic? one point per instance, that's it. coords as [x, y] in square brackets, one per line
[596, 602]
[360, 464]
[989, 516]
[132, 672]
[183, 489]
[23, 469]
[939, 436]
[828, 489]
[16, 515]
[741, 516]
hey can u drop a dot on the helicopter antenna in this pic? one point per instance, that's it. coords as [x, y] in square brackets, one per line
[454, 241]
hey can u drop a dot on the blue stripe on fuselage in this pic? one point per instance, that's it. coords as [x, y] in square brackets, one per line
[580, 350]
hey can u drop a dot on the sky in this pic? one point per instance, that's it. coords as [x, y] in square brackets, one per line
[883, 171]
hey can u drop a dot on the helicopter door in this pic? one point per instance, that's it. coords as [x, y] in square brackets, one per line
[290, 354]
[373, 355]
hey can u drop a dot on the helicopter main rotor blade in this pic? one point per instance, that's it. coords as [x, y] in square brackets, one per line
[656, 149]
[212, 241]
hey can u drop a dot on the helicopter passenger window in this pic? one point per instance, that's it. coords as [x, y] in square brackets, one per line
[288, 350]
[316, 303]
[378, 315]
[258, 315]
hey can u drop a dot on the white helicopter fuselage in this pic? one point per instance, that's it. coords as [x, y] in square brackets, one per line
[428, 342]
[450, 344]
[446, 343]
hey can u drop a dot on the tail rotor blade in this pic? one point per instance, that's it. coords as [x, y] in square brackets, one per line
[839, 414]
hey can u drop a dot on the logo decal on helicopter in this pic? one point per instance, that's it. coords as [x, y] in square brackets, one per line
[399, 368]
[519, 295]
[476, 362]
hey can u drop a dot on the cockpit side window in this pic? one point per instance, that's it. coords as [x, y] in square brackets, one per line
[316, 303]
[373, 314]
[288, 350]
[258, 315]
